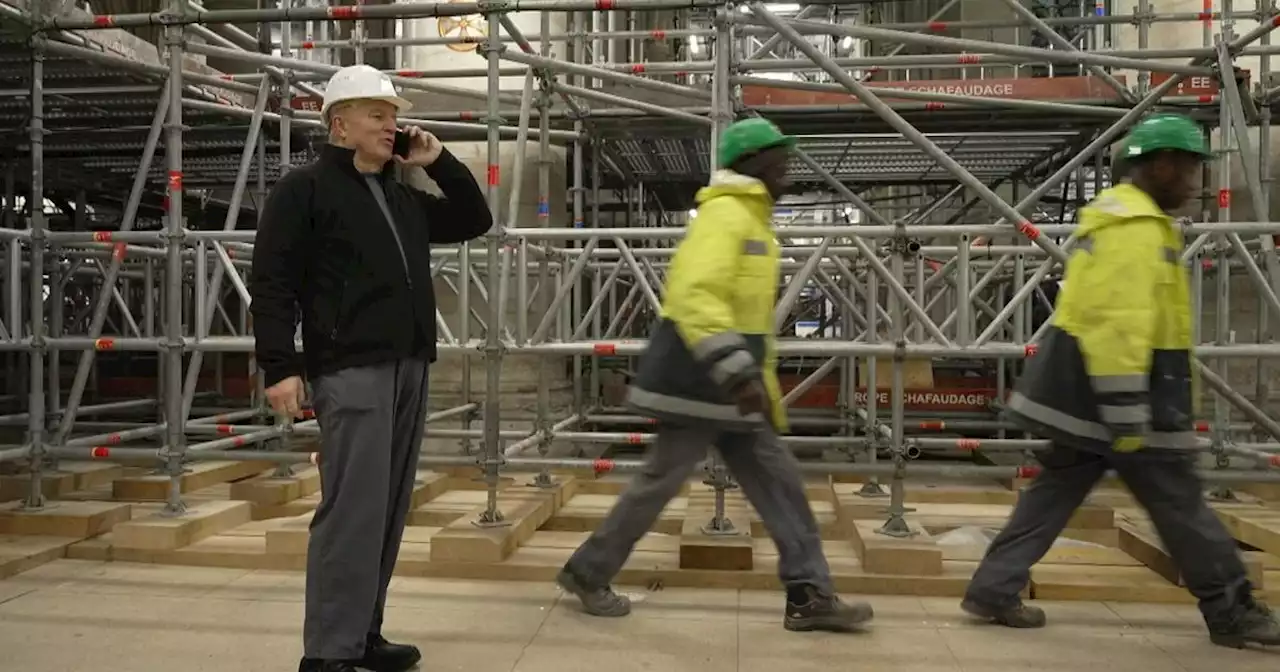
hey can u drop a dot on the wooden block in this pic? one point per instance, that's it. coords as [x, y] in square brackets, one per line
[157, 532]
[699, 550]
[1259, 528]
[1144, 545]
[21, 552]
[54, 485]
[90, 475]
[524, 509]
[291, 537]
[1090, 517]
[1104, 584]
[880, 554]
[271, 490]
[78, 520]
[155, 487]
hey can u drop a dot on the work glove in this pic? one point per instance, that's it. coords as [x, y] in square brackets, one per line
[1127, 444]
[751, 398]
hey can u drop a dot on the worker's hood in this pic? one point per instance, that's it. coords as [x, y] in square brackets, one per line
[729, 183]
[1117, 205]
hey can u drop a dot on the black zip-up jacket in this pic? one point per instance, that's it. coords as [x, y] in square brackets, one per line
[323, 246]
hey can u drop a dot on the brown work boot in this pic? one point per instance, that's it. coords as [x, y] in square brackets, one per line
[1014, 615]
[596, 600]
[1256, 624]
[810, 609]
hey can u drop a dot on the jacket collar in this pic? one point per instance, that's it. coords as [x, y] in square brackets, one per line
[343, 159]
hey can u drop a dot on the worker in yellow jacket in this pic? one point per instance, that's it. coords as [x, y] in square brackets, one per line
[709, 378]
[1112, 386]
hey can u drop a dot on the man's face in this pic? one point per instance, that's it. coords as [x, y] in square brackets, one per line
[1176, 176]
[773, 170]
[367, 126]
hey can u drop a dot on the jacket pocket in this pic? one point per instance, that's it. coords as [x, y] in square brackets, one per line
[335, 324]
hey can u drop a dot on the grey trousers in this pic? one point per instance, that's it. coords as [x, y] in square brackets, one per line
[370, 436]
[768, 474]
[1164, 483]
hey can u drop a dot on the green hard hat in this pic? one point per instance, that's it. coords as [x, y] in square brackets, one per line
[1165, 131]
[749, 136]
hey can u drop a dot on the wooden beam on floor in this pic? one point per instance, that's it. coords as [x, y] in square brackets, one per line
[1143, 543]
[700, 549]
[77, 520]
[198, 476]
[917, 555]
[524, 509]
[161, 532]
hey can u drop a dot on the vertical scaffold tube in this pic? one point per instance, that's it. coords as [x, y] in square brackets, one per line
[35, 496]
[493, 330]
[175, 436]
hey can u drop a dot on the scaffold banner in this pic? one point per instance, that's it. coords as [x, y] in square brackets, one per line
[958, 399]
[1021, 88]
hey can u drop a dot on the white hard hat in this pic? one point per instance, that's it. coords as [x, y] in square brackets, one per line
[360, 82]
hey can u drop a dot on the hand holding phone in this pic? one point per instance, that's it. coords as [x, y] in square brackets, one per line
[416, 147]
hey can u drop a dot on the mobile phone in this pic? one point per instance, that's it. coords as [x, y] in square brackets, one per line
[400, 146]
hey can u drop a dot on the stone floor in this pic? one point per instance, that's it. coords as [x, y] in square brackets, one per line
[88, 616]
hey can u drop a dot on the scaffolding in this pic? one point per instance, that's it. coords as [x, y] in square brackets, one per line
[882, 247]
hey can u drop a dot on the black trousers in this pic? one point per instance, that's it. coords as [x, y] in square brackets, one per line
[1164, 483]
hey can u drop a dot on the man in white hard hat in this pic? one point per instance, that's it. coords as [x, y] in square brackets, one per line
[349, 245]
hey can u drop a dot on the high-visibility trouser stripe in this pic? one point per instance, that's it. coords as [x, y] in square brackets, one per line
[1120, 384]
[732, 368]
[716, 346]
[669, 405]
[1087, 429]
[1135, 414]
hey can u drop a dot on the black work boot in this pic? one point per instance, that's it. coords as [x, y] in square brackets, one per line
[1015, 615]
[317, 665]
[596, 600]
[1255, 624]
[811, 609]
[383, 656]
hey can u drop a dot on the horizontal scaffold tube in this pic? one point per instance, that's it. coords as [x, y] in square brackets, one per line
[786, 348]
[602, 466]
[867, 231]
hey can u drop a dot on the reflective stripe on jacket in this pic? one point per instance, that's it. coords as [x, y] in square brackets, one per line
[716, 331]
[1116, 361]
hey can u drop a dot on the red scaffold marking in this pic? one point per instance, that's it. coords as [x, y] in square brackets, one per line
[937, 26]
[934, 106]
[1275, 21]
[933, 425]
[238, 441]
[605, 349]
[1206, 98]
[113, 439]
[1202, 426]
[119, 251]
[224, 429]
[308, 44]
[99, 452]
[104, 21]
[1224, 198]
[101, 236]
[493, 174]
[969, 59]
[968, 444]
[604, 4]
[658, 35]
[635, 439]
[1275, 461]
[1029, 230]
[466, 116]
[175, 181]
[308, 413]
[936, 266]
[104, 344]
[1030, 350]
[1028, 471]
[1206, 264]
[410, 73]
[340, 13]
[637, 68]
[602, 466]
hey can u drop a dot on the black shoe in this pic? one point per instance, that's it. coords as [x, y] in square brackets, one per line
[1016, 615]
[383, 656]
[316, 665]
[1255, 625]
[810, 609]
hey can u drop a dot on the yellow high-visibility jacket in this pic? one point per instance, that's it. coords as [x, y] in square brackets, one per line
[1116, 360]
[716, 331]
